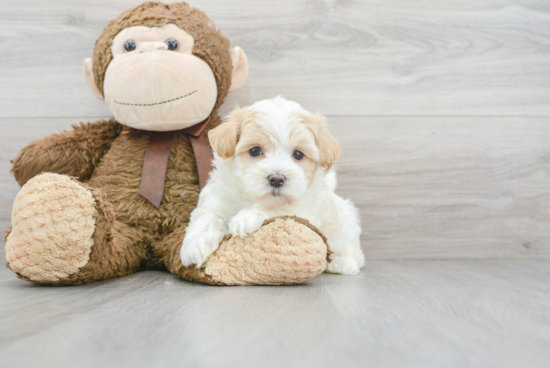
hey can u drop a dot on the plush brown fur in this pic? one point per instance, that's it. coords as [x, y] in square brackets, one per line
[74, 153]
[131, 234]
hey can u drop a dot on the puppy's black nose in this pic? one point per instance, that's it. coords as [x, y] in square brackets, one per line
[276, 181]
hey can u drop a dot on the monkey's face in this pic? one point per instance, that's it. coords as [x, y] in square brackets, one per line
[155, 83]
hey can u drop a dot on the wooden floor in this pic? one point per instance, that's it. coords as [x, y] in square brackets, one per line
[443, 109]
[476, 313]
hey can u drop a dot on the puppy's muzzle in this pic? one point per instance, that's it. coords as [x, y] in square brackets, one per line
[276, 181]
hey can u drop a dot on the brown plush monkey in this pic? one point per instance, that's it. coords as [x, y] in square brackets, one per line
[113, 197]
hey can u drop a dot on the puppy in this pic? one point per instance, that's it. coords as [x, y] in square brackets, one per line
[271, 159]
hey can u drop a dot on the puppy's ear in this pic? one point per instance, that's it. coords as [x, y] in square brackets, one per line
[329, 149]
[224, 138]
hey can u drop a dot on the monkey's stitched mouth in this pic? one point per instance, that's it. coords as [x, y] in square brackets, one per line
[156, 103]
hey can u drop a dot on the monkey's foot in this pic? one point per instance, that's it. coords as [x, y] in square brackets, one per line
[53, 223]
[285, 250]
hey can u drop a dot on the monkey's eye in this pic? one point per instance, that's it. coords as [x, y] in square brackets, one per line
[298, 155]
[173, 44]
[129, 45]
[255, 151]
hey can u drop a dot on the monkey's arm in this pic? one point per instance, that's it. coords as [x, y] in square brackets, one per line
[74, 152]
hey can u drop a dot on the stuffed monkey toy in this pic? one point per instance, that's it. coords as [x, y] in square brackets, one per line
[111, 198]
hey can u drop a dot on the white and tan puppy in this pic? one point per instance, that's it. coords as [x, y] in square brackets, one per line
[271, 159]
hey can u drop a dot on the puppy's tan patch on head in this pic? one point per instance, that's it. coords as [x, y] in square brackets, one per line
[239, 132]
[329, 149]
[302, 139]
[224, 138]
[253, 134]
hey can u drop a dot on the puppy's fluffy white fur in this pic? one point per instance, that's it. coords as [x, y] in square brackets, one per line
[239, 197]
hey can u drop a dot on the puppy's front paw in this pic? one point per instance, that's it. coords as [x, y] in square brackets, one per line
[196, 248]
[345, 265]
[246, 222]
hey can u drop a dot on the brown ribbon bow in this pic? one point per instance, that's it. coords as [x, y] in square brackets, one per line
[155, 163]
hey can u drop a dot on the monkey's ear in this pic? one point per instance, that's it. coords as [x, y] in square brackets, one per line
[224, 138]
[89, 76]
[240, 68]
[329, 149]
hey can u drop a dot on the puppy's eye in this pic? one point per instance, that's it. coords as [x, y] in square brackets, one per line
[255, 151]
[298, 155]
[173, 44]
[129, 45]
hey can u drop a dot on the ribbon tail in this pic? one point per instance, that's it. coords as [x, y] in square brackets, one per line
[203, 157]
[155, 164]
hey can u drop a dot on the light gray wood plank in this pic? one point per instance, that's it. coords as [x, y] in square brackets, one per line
[448, 187]
[341, 58]
[394, 314]
[427, 187]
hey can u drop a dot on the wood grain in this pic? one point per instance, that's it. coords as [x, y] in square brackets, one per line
[394, 314]
[427, 187]
[456, 187]
[337, 57]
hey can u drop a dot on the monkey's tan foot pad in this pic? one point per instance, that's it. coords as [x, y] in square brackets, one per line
[284, 251]
[53, 222]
